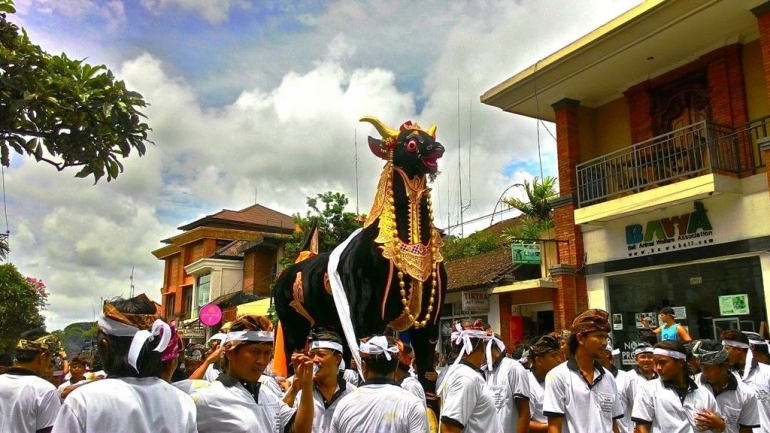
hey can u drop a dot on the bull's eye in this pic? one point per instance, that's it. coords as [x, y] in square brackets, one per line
[411, 146]
[430, 147]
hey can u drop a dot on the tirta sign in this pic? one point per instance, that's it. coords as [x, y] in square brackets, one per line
[674, 233]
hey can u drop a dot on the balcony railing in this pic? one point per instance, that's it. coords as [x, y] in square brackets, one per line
[697, 149]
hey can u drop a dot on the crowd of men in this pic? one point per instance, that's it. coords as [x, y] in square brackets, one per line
[145, 380]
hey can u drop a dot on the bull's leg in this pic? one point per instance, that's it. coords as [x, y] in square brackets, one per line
[424, 343]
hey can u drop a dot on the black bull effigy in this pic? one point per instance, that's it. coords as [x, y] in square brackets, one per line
[391, 271]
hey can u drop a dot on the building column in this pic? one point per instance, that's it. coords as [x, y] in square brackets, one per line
[505, 319]
[764, 148]
[762, 12]
[570, 295]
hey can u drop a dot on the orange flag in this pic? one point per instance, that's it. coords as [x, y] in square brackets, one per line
[280, 365]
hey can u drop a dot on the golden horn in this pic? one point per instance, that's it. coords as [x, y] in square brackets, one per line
[384, 131]
[432, 131]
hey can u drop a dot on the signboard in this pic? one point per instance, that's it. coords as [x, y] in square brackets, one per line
[617, 322]
[475, 301]
[210, 314]
[193, 332]
[652, 319]
[627, 354]
[674, 233]
[525, 254]
[731, 305]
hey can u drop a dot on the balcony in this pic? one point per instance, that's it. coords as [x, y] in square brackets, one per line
[675, 165]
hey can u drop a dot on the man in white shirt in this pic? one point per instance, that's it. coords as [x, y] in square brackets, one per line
[674, 403]
[468, 403]
[751, 372]
[379, 404]
[329, 387]
[28, 403]
[133, 396]
[625, 385]
[78, 367]
[737, 401]
[580, 397]
[508, 381]
[545, 353]
[403, 376]
[237, 401]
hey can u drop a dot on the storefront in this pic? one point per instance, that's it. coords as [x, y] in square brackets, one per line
[709, 259]
[467, 305]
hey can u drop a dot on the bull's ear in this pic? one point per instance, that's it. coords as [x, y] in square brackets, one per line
[375, 147]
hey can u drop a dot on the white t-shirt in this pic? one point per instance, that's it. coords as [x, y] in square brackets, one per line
[443, 374]
[232, 408]
[352, 377]
[323, 410]
[626, 394]
[27, 402]
[212, 373]
[737, 404]
[658, 404]
[508, 382]
[586, 409]
[758, 378]
[411, 384]
[141, 405]
[382, 407]
[536, 396]
[468, 402]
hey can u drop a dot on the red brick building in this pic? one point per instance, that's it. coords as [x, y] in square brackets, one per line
[662, 119]
[220, 254]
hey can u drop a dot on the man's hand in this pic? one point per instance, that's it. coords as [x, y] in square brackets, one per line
[215, 355]
[708, 420]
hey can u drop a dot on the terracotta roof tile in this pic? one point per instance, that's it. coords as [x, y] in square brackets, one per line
[477, 271]
[256, 215]
[231, 250]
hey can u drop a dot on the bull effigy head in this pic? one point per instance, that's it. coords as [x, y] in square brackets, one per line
[411, 148]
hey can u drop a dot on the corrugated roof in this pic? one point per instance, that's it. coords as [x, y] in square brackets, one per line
[252, 216]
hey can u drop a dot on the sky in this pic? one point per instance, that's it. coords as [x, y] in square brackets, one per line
[259, 101]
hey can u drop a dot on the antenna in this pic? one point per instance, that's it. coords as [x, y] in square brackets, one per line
[131, 278]
[255, 195]
[355, 158]
[459, 159]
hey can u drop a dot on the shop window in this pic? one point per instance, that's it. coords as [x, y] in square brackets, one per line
[204, 290]
[698, 293]
[170, 300]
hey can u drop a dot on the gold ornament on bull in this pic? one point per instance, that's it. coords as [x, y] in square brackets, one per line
[418, 261]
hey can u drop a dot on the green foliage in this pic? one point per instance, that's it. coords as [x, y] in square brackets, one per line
[64, 109]
[21, 300]
[537, 210]
[74, 335]
[477, 243]
[334, 224]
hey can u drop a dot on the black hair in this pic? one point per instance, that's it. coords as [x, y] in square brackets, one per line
[647, 336]
[31, 335]
[324, 334]
[114, 354]
[735, 335]
[518, 352]
[6, 360]
[760, 348]
[572, 343]
[379, 364]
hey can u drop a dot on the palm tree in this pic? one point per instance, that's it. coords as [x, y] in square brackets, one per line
[537, 210]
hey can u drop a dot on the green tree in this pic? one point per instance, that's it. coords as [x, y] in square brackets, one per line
[537, 210]
[64, 112]
[474, 244]
[21, 300]
[334, 224]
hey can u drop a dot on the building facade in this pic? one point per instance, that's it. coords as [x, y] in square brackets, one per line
[662, 119]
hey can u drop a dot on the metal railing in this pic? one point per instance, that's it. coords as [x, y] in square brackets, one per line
[697, 149]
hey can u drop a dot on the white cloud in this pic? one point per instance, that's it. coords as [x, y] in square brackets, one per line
[214, 11]
[112, 11]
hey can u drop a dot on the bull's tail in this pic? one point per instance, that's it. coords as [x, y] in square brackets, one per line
[280, 363]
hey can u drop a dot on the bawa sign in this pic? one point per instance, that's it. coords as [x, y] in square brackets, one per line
[681, 232]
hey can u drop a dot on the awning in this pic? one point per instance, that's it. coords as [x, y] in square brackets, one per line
[256, 308]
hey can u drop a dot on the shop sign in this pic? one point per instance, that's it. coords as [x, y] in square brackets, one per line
[525, 254]
[731, 305]
[210, 314]
[475, 301]
[627, 354]
[194, 332]
[674, 233]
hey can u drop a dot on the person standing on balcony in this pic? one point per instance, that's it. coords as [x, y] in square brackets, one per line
[669, 330]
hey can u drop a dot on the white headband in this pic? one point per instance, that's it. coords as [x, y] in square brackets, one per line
[758, 342]
[733, 343]
[378, 345]
[218, 336]
[263, 336]
[644, 349]
[464, 336]
[670, 353]
[500, 345]
[324, 344]
[140, 337]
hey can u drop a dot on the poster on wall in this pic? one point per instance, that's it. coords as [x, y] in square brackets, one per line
[652, 319]
[617, 322]
[680, 312]
[627, 354]
[731, 305]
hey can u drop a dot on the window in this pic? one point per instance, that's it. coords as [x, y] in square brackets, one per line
[170, 301]
[204, 290]
[188, 301]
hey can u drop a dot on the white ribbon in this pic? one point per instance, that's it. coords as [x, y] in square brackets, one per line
[324, 344]
[140, 337]
[377, 346]
[464, 336]
[644, 349]
[733, 343]
[263, 336]
[670, 353]
[341, 300]
[500, 345]
[218, 336]
[758, 342]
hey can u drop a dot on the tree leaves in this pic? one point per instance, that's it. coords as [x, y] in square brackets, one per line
[77, 114]
[20, 304]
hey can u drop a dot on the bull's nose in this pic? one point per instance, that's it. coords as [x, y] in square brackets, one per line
[438, 148]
